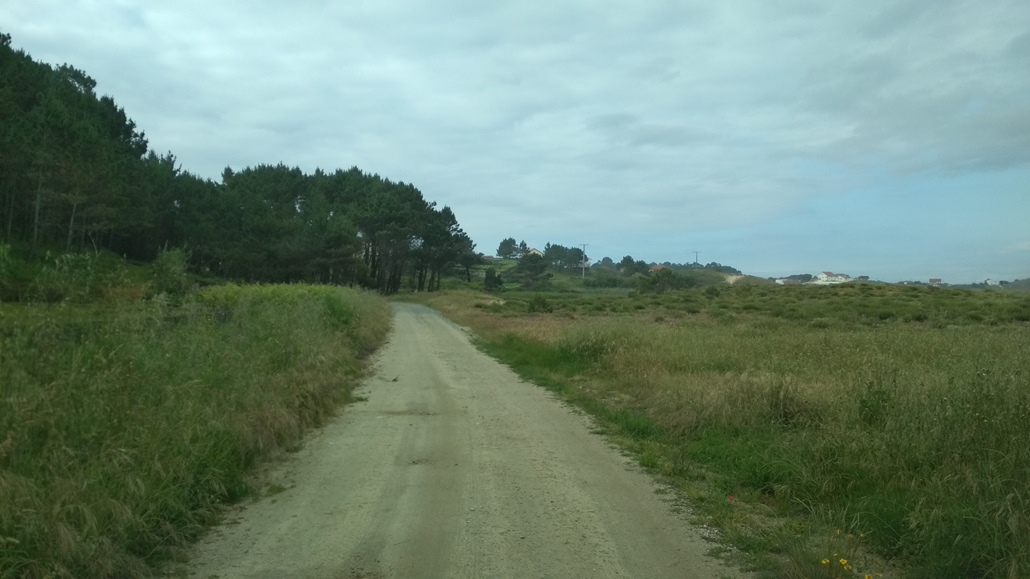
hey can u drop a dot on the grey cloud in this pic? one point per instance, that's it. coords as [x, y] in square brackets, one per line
[916, 100]
[651, 119]
[626, 128]
[612, 121]
[898, 16]
[666, 135]
[1019, 48]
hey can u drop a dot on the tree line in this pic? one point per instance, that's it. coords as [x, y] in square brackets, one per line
[535, 269]
[556, 256]
[77, 173]
[559, 258]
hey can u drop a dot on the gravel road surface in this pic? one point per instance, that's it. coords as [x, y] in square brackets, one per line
[454, 467]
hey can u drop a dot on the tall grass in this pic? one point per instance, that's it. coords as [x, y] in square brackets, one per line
[121, 430]
[912, 435]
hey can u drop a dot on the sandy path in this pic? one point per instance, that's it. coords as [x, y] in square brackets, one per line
[454, 467]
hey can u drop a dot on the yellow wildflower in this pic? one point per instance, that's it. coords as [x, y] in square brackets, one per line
[826, 561]
[843, 562]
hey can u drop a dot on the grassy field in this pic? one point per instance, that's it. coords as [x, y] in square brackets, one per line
[831, 431]
[124, 423]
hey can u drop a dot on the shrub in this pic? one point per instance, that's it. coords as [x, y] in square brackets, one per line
[539, 304]
[660, 281]
[170, 276]
[77, 277]
[492, 281]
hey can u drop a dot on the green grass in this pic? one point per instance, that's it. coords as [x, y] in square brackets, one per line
[897, 415]
[56, 276]
[842, 306]
[1019, 285]
[123, 427]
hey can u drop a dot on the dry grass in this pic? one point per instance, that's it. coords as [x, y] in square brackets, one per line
[911, 434]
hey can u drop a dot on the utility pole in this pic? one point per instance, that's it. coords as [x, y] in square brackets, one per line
[584, 260]
[695, 256]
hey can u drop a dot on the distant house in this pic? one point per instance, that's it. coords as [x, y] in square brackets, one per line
[830, 277]
[935, 281]
[535, 251]
[786, 281]
[991, 282]
[657, 267]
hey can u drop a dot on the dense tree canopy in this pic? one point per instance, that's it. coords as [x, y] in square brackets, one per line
[76, 173]
[629, 267]
[563, 258]
[531, 271]
[508, 248]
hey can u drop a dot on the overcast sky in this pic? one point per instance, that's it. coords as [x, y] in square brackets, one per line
[880, 138]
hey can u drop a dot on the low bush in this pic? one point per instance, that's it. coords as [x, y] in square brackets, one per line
[170, 272]
[538, 304]
[77, 277]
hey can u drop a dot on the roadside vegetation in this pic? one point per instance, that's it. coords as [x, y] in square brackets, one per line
[833, 431]
[134, 397]
[132, 405]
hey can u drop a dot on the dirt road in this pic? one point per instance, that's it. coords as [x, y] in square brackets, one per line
[454, 467]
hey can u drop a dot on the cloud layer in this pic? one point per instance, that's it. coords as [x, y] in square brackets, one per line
[651, 128]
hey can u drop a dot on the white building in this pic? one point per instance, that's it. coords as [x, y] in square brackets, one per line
[830, 277]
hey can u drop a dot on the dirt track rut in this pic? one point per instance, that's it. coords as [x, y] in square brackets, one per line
[454, 467]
